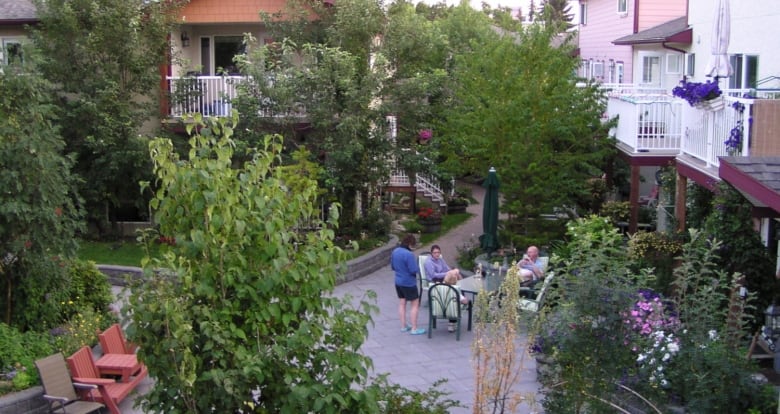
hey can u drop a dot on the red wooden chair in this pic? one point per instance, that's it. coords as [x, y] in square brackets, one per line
[109, 392]
[113, 341]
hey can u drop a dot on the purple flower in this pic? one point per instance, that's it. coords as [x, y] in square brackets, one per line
[425, 134]
[695, 92]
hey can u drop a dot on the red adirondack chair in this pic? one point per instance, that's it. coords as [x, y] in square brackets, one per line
[113, 341]
[83, 370]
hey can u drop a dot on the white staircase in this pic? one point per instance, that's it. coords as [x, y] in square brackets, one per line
[424, 184]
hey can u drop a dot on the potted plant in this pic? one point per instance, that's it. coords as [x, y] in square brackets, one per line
[703, 95]
[430, 219]
[457, 204]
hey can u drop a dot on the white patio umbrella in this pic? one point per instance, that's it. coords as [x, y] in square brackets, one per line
[718, 65]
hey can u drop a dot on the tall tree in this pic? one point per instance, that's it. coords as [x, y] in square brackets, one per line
[39, 210]
[557, 13]
[242, 319]
[518, 107]
[104, 57]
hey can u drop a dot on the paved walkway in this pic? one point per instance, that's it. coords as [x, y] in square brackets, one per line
[416, 361]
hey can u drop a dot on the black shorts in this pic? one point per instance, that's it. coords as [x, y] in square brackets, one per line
[407, 292]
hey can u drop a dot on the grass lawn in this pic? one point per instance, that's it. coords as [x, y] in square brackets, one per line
[130, 253]
[118, 252]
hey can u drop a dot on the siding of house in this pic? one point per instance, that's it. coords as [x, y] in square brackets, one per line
[654, 12]
[604, 25]
[754, 31]
[228, 11]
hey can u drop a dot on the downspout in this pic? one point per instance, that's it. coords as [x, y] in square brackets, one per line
[636, 16]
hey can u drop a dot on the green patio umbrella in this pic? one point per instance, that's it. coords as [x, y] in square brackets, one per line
[488, 241]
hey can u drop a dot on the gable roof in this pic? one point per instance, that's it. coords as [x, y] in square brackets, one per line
[673, 31]
[16, 12]
[757, 178]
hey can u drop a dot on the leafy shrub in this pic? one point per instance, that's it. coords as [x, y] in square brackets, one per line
[616, 210]
[18, 352]
[81, 329]
[88, 288]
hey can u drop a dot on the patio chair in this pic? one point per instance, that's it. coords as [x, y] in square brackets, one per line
[83, 370]
[60, 391]
[113, 341]
[444, 303]
[422, 280]
[535, 303]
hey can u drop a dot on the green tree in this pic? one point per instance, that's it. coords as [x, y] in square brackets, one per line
[557, 13]
[104, 58]
[39, 210]
[519, 107]
[242, 319]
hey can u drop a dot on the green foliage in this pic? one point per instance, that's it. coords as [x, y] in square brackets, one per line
[536, 122]
[650, 249]
[104, 58]
[616, 211]
[80, 328]
[39, 212]
[598, 349]
[730, 221]
[709, 356]
[243, 308]
[396, 399]
[18, 352]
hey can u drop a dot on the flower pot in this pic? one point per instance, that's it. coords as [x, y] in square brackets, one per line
[458, 208]
[431, 226]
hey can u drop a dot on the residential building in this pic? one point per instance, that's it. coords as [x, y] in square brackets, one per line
[14, 16]
[655, 128]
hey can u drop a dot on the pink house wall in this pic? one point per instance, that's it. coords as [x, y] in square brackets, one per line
[604, 24]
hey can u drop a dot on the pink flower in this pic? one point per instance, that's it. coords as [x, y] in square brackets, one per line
[425, 134]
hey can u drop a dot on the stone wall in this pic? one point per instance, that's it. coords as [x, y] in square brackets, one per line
[29, 401]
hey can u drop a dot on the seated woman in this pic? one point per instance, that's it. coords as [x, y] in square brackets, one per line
[436, 268]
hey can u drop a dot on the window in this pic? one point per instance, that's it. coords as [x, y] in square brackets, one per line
[12, 51]
[651, 70]
[673, 64]
[745, 69]
[583, 14]
[690, 64]
[619, 67]
[598, 69]
[622, 6]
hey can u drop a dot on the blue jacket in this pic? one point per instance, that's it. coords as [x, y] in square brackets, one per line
[404, 263]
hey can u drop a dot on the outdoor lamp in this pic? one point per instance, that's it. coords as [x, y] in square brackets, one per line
[772, 321]
[185, 39]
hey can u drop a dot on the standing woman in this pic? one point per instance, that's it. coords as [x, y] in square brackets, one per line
[404, 264]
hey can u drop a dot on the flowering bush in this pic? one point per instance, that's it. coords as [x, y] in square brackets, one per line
[656, 343]
[428, 215]
[696, 92]
[734, 142]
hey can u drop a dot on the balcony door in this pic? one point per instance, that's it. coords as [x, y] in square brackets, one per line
[650, 68]
[217, 52]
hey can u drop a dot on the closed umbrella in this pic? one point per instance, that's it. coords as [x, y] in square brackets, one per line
[719, 65]
[488, 241]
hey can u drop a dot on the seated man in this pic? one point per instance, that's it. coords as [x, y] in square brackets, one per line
[436, 268]
[531, 268]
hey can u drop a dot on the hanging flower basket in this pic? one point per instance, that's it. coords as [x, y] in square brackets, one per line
[706, 96]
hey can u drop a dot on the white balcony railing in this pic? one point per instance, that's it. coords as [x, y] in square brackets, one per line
[213, 96]
[652, 122]
[647, 123]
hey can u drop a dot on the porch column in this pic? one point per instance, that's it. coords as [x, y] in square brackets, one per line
[679, 201]
[633, 199]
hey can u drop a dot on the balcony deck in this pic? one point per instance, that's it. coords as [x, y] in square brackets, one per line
[652, 124]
